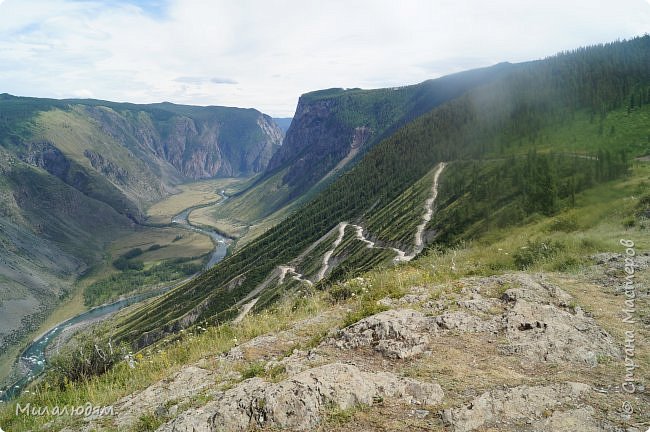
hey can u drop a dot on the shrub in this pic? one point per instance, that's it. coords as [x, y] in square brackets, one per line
[124, 264]
[536, 251]
[643, 207]
[568, 263]
[367, 309]
[343, 291]
[148, 423]
[629, 222]
[87, 358]
[133, 253]
[254, 370]
[564, 224]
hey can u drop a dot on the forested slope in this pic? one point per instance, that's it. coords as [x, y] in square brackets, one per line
[513, 117]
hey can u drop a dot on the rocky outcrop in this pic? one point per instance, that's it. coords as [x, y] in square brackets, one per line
[548, 333]
[316, 141]
[580, 419]
[107, 167]
[467, 322]
[513, 408]
[44, 154]
[536, 320]
[400, 333]
[188, 382]
[374, 363]
[298, 403]
[330, 126]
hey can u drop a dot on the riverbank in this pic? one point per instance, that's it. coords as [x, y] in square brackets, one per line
[28, 362]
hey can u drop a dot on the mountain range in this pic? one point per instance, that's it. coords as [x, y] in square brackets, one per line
[493, 127]
[77, 173]
[468, 221]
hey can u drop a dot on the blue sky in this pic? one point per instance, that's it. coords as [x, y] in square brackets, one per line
[264, 54]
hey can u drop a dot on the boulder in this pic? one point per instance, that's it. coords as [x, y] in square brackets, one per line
[397, 334]
[186, 383]
[547, 333]
[522, 403]
[297, 403]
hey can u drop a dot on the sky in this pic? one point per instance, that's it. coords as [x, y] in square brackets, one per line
[265, 54]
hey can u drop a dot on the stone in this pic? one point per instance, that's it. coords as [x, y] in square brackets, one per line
[580, 419]
[547, 333]
[297, 403]
[186, 383]
[465, 322]
[397, 334]
[512, 404]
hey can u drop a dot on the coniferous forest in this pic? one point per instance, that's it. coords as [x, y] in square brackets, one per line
[506, 157]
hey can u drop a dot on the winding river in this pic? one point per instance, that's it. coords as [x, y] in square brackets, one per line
[32, 361]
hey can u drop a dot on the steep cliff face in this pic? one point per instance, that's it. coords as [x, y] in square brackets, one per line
[332, 126]
[316, 141]
[209, 148]
[74, 174]
[199, 142]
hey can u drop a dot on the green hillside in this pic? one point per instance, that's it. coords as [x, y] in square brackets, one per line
[330, 132]
[76, 175]
[515, 129]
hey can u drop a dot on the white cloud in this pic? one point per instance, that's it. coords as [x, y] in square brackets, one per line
[83, 93]
[204, 80]
[265, 54]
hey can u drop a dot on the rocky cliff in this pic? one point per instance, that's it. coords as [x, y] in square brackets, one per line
[199, 142]
[316, 141]
[331, 127]
[76, 173]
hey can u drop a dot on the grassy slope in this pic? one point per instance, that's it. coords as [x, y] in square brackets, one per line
[248, 208]
[272, 198]
[601, 213]
[44, 244]
[74, 132]
[191, 194]
[571, 143]
[509, 116]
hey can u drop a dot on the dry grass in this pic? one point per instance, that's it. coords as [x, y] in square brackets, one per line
[191, 194]
[189, 244]
[205, 217]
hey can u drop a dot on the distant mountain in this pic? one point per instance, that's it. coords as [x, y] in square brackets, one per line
[130, 155]
[488, 133]
[283, 123]
[74, 173]
[333, 128]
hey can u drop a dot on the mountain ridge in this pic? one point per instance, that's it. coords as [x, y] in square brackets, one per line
[511, 110]
[81, 173]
